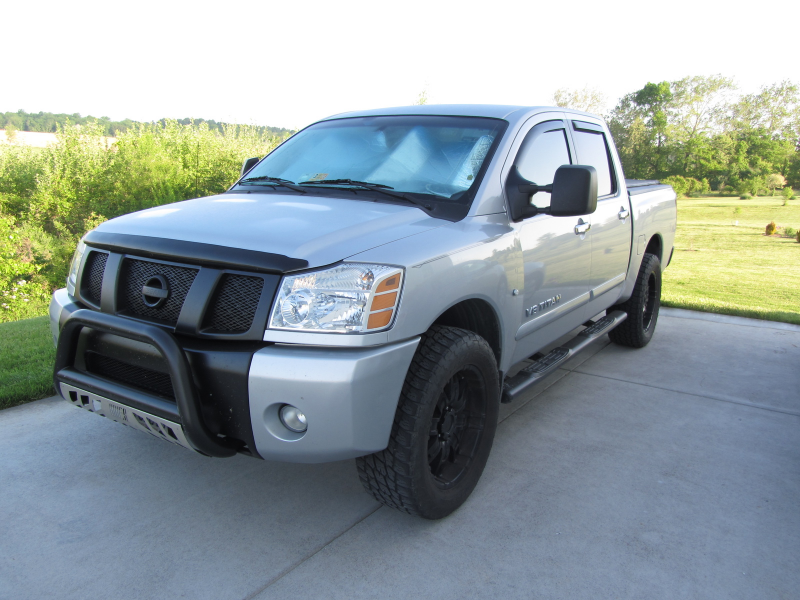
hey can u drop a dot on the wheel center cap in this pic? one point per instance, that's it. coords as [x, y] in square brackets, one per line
[448, 424]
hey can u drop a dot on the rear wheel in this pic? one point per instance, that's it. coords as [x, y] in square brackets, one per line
[642, 307]
[443, 429]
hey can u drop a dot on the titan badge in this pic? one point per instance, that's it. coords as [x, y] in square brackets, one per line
[542, 306]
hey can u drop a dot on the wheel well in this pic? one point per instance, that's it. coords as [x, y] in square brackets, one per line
[654, 246]
[477, 316]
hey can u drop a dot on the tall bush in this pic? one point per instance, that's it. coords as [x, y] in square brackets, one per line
[21, 293]
[50, 197]
[685, 186]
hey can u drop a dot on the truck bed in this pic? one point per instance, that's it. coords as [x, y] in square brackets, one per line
[640, 186]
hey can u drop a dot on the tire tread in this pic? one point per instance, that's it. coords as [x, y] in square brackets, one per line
[387, 475]
[629, 332]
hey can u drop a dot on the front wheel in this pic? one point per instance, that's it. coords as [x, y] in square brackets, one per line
[642, 307]
[443, 428]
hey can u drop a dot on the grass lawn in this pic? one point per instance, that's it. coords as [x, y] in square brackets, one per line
[722, 267]
[26, 361]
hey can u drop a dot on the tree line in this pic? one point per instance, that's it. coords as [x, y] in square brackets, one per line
[47, 122]
[700, 135]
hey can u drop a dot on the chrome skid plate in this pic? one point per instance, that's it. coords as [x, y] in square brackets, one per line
[161, 428]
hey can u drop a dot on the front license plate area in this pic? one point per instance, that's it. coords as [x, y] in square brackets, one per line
[161, 428]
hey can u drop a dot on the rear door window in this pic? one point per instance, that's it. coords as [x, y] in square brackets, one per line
[592, 149]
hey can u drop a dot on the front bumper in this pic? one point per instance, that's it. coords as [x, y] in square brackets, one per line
[349, 397]
[228, 395]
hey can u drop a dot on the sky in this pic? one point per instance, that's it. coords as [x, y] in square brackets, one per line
[287, 64]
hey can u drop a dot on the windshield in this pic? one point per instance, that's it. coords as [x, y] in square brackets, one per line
[433, 155]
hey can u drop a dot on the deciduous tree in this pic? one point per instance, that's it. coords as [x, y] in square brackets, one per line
[587, 99]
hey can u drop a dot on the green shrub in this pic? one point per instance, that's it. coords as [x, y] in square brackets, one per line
[745, 197]
[789, 231]
[50, 197]
[753, 186]
[788, 193]
[687, 186]
[771, 227]
[774, 181]
[22, 292]
[798, 236]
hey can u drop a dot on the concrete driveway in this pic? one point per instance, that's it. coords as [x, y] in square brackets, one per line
[667, 472]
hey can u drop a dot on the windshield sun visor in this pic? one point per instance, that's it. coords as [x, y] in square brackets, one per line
[436, 162]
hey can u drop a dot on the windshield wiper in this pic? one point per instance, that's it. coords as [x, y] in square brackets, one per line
[277, 181]
[375, 187]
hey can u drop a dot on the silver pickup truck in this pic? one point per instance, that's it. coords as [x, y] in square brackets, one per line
[365, 290]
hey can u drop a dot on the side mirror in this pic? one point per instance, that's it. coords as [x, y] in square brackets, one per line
[573, 193]
[248, 164]
[519, 191]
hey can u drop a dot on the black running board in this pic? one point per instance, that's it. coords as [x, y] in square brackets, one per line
[516, 386]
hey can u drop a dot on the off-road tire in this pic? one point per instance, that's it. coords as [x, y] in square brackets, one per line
[642, 307]
[448, 364]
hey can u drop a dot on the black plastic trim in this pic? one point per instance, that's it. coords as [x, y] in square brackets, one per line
[186, 396]
[198, 300]
[197, 253]
[80, 286]
[108, 297]
[584, 126]
[119, 393]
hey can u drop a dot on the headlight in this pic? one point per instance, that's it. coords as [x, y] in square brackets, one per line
[349, 298]
[74, 266]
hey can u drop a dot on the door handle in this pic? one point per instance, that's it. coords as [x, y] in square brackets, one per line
[582, 227]
[623, 213]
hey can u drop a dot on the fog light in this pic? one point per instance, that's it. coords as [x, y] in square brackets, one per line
[293, 419]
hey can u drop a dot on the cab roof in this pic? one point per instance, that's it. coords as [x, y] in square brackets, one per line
[509, 113]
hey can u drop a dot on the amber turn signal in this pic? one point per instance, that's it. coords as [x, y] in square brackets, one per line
[390, 283]
[381, 319]
[384, 301]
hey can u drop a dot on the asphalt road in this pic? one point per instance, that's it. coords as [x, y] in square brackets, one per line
[667, 472]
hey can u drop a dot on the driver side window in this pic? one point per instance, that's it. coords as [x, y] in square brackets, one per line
[544, 150]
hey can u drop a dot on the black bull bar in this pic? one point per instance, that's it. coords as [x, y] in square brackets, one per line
[187, 410]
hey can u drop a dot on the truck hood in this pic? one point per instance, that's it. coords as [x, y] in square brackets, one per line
[320, 230]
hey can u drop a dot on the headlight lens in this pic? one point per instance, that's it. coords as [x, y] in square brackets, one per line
[349, 298]
[74, 266]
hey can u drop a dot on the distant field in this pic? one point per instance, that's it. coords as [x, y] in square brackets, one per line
[732, 269]
[37, 139]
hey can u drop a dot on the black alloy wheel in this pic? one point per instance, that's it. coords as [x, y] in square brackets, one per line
[642, 307]
[443, 428]
[456, 427]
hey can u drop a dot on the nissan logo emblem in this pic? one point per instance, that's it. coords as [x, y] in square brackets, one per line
[155, 291]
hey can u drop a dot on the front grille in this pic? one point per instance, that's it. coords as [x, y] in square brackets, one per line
[133, 277]
[93, 276]
[234, 305]
[223, 303]
[141, 378]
